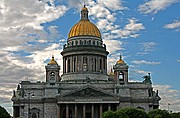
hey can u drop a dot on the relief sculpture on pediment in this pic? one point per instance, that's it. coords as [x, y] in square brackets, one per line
[88, 92]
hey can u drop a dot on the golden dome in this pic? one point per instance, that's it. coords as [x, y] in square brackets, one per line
[84, 27]
[120, 61]
[52, 62]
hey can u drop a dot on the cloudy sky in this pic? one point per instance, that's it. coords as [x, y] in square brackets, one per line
[145, 32]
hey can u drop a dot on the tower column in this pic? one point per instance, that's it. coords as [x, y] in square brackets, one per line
[109, 107]
[117, 106]
[100, 111]
[58, 111]
[92, 110]
[67, 111]
[84, 110]
[75, 111]
[76, 63]
[71, 63]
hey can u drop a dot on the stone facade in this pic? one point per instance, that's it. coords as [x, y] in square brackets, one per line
[84, 90]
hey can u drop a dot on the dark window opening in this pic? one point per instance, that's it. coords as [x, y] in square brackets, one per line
[68, 65]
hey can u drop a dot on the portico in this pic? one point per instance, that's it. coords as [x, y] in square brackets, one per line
[81, 110]
[87, 102]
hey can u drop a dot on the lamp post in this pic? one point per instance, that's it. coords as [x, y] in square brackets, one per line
[32, 94]
[168, 107]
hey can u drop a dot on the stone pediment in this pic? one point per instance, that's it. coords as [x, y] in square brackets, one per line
[88, 92]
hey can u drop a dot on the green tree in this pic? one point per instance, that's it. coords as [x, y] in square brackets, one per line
[126, 113]
[158, 113]
[134, 112]
[4, 113]
[120, 114]
[109, 114]
[175, 115]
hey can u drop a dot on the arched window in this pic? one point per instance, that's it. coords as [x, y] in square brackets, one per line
[72, 43]
[89, 42]
[34, 115]
[93, 42]
[76, 42]
[84, 42]
[84, 63]
[121, 76]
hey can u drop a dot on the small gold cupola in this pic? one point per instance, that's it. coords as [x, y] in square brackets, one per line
[120, 61]
[52, 62]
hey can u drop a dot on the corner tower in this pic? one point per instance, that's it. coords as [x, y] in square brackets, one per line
[84, 55]
[52, 71]
[121, 71]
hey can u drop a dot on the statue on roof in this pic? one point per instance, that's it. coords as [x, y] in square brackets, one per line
[147, 79]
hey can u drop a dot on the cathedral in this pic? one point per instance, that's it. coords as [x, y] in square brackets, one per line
[85, 89]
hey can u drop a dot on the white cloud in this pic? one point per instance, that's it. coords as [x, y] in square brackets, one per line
[145, 62]
[130, 29]
[113, 45]
[29, 13]
[142, 72]
[153, 6]
[147, 47]
[133, 25]
[112, 4]
[178, 60]
[168, 95]
[174, 25]
[21, 32]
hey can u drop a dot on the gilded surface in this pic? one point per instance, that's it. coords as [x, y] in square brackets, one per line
[84, 27]
[52, 62]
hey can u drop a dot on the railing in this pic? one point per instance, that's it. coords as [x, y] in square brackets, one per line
[75, 46]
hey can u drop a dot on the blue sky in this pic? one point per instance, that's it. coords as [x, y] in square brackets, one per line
[145, 32]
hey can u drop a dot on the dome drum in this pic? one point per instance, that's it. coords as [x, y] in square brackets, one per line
[84, 41]
[84, 49]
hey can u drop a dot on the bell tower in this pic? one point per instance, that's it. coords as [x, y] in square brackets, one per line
[52, 71]
[121, 71]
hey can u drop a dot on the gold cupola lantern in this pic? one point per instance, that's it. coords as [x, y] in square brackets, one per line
[120, 61]
[52, 62]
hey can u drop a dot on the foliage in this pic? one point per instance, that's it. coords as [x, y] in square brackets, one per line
[109, 114]
[120, 114]
[175, 115]
[126, 113]
[139, 113]
[158, 113]
[134, 112]
[4, 113]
